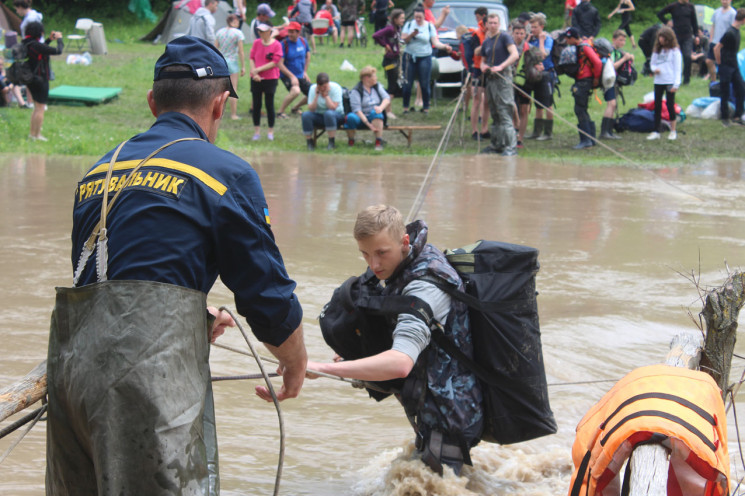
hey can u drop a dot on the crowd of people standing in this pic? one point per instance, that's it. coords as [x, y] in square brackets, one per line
[520, 75]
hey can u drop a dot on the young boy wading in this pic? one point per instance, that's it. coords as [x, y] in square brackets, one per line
[441, 397]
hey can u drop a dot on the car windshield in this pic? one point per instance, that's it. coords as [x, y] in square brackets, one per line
[463, 15]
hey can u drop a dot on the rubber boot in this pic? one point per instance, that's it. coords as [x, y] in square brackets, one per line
[537, 129]
[606, 129]
[612, 128]
[548, 130]
[584, 141]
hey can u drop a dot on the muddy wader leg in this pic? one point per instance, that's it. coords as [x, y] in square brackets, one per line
[128, 385]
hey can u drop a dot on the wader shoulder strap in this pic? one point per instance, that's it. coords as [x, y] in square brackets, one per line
[98, 237]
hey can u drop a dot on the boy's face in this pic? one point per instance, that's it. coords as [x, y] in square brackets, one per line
[518, 35]
[619, 42]
[384, 254]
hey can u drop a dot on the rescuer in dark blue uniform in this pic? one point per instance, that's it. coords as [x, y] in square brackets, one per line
[130, 401]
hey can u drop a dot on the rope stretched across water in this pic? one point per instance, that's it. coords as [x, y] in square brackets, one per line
[436, 160]
[635, 163]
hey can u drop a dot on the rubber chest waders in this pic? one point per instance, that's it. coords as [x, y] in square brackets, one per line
[130, 398]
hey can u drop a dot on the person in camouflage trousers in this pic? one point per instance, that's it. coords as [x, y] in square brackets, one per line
[440, 395]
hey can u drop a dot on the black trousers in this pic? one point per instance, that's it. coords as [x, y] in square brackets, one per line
[731, 75]
[581, 90]
[266, 88]
[659, 91]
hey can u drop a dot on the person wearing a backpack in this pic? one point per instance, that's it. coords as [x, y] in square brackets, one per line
[666, 65]
[368, 102]
[294, 68]
[390, 38]
[729, 72]
[541, 85]
[619, 58]
[38, 59]
[588, 77]
[440, 395]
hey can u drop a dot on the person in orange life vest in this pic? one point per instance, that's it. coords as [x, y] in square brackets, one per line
[588, 77]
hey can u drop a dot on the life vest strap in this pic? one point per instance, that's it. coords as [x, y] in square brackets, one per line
[663, 396]
[665, 415]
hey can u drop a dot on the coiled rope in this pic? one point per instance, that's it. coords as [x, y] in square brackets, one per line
[269, 386]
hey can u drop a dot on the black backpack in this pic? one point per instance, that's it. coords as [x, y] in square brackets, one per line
[347, 104]
[500, 292]
[626, 75]
[20, 71]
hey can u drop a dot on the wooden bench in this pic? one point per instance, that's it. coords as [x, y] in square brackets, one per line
[407, 131]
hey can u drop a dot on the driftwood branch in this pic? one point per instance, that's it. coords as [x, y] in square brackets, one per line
[25, 392]
[721, 309]
[649, 462]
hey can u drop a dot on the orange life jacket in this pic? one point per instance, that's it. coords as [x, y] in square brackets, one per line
[480, 32]
[680, 408]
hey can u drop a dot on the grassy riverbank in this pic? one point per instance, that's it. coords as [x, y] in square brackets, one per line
[82, 130]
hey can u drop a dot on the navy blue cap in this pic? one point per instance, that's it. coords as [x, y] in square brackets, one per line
[569, 33]
[204, 59]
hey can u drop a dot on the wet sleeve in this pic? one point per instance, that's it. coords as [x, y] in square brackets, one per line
[250, 264]
[411, 335]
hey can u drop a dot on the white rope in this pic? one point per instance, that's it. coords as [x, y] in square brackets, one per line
[637, 165]
[429, 177]
[269, 386]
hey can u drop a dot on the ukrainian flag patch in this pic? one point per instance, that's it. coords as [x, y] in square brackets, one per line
[266, 216]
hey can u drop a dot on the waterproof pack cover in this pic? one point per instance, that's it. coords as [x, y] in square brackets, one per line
[500, 292]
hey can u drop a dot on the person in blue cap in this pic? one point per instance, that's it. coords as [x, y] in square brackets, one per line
[155, 222]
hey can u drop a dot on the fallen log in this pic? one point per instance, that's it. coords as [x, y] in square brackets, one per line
[25, 392]
[722, 305]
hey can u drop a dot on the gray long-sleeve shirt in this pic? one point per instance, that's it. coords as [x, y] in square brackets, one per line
[411, 334]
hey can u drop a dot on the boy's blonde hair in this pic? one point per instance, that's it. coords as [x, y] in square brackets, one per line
[379, 218]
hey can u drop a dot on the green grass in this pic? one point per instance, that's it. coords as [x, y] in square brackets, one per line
[82, 130]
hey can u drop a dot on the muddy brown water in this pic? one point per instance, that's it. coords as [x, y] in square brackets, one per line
[618, 249]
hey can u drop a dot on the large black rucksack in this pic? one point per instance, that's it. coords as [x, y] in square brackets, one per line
[20, 71]
[508, 359]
